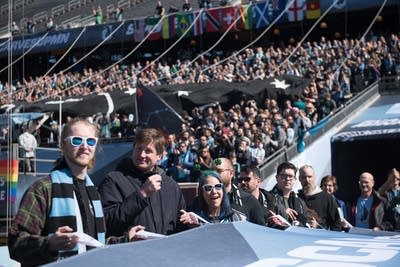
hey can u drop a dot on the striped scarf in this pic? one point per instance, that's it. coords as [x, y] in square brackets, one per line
[63, 207]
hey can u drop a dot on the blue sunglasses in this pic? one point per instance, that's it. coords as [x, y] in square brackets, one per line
[78, 140]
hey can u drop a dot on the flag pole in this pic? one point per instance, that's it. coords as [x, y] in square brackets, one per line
[136, 107]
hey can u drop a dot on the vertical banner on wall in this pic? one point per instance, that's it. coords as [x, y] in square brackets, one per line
[8, 185]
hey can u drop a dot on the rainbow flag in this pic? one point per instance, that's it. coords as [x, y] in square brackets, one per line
[8, 179]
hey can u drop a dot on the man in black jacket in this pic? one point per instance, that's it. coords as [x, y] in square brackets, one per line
[250, 181]
[286, 202]
[324, 205]
[239, 199]
[140, 193]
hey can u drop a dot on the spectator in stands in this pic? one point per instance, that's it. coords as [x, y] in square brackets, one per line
[368, 209]
[329, 185]
[139, 192]
[186, 6]
[311, 113]
[250, 181]
[160, 10]
[257, 151]
[327, 105]
[182, 163]
[390, 191]
[115, 124]
[222, 145]
[205, 4]
[243, 152]
[391, 187]
[287, 203]
[119, 13]
[28, 144]
[50, 24]
[204, 160]
[98, 15]
[30, 27]
[321, 202]
[213, 203]
[40, 232]
[14, 28]
[127, 126]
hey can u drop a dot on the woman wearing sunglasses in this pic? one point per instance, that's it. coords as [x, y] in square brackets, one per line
[213, 203]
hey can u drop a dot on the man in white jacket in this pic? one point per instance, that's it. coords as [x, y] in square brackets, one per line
[28, 144]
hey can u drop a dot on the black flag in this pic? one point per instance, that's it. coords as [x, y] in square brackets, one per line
[154, 112]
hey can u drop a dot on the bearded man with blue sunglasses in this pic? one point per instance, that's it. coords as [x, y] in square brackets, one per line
[55, 210]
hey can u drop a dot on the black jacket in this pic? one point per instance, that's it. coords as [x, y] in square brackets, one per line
[294, 202]
[246, 203]
[266, 200]
[125, 207]
[326, 208]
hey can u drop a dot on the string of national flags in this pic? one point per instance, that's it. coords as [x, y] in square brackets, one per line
[255, 15]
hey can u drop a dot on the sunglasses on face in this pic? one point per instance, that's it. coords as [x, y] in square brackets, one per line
[209, 187]
[79, 140]
[244, 179]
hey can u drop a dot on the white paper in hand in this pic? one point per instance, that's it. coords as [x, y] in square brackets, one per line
[142, 234]
[88, 240]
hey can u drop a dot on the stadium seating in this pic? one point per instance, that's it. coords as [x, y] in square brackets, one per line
[77, 13]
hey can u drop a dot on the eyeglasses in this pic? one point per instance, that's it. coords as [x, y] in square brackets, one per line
[286, 176]
[209, 187]
[244, 179]
[78, 140]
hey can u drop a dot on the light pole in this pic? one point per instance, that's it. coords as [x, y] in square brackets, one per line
[60, 120]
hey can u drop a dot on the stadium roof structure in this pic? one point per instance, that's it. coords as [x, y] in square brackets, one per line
[379, 121]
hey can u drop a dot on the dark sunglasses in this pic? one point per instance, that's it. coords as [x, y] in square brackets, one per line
[209, 187]
[244, 179]
[78, 140]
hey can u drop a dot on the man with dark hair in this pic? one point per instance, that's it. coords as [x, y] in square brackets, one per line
[139, 192]
[250, 181]
[239, 199]
[319, 201]
[287, 203]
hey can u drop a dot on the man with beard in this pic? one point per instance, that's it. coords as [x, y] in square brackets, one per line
[250, 181]
[318, 201]
[59, 206]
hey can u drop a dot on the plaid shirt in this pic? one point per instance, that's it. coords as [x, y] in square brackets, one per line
[27, 236]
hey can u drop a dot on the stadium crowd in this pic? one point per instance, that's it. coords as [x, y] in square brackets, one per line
[221, 148]
[335, 68]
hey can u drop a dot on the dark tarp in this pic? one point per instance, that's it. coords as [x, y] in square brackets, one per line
[178, 97]
[116, 101]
